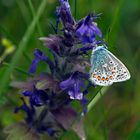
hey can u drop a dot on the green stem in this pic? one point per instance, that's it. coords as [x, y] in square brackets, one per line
[22, 45]
[17, 69]
[34, 14]
[75, 9]
[24, 11]
[96, 98]
[28, 58]
[114, 26]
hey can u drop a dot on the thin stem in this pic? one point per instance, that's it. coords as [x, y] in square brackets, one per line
[75, 9]
[28, 58]
[17, 69]
[34, 14]
[104, 115]
[96, 98]
[114, 26]
[24, 11]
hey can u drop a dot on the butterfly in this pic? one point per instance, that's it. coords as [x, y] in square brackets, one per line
[106, 68]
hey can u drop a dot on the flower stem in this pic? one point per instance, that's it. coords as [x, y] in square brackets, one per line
[17, 69]
[75, 9]
[100, 93]
[34, 14]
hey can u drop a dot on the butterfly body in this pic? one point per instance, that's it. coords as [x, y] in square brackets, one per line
[106, 68]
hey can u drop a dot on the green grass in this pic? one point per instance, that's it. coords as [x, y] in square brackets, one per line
[21, 47]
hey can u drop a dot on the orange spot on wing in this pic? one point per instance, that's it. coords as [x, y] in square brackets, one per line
[111, 77]
[98, 77]
[103, 78]
[107, 78]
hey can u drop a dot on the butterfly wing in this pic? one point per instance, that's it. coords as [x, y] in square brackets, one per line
[106, 68]
[100, 73]
[122, 73]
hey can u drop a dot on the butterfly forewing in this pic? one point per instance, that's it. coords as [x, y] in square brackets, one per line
[106, 68]
[101, 71]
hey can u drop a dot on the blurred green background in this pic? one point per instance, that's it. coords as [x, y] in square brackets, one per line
[117, 115]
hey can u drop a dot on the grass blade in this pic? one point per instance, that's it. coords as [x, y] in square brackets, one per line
[97, 98]
[114, 26]
[17, 69]
[34, 14]
[75, 9]
[24, 11]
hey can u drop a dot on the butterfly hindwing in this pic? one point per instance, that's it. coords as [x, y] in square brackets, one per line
[106, 68]
[122, 73]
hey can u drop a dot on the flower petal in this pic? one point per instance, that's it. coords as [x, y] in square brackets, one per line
[75, 95]
[87, 30]
[39, 56]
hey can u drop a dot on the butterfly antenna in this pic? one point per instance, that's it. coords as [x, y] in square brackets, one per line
[98, 15]
[95, 16]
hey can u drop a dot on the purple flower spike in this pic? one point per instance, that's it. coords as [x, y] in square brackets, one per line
[64, 13]
[73, 85]
[36, 97]
[87, 30]
[53, 42]
[65, 3]
[50, 93]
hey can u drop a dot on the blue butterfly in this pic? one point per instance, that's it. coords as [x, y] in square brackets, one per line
[106, 68]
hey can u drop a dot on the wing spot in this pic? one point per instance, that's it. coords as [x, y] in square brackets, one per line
[103, 78]
[113, 72]
[99, 78]
[94, 75]
[111, 77]
[107, 78]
